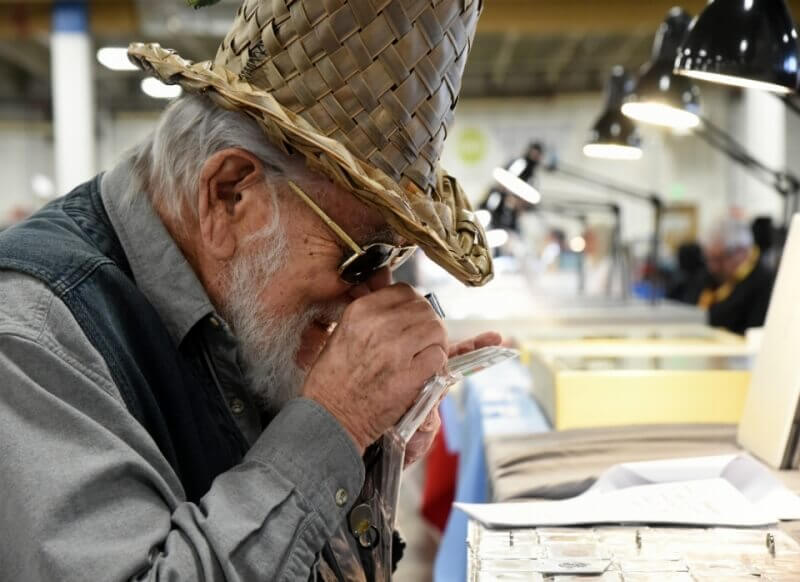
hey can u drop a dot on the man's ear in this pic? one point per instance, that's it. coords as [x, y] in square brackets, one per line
[226, 185]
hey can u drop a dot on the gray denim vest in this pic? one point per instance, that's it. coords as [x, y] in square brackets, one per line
[70, 245]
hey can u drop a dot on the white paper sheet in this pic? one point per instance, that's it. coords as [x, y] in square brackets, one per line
[730, 490]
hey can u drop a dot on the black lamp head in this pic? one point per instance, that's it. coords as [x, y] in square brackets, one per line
[660, 97]
[746, 43]
[613, 135]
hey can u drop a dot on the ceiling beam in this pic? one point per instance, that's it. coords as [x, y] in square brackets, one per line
[21, 19]
[584, 16]
[28, 57]
[32, 18]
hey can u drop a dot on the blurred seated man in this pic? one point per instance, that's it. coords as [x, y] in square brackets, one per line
[691, 277]
[738, 296]
[766, 237]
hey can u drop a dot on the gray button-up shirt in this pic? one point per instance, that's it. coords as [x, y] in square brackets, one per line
[85, 493]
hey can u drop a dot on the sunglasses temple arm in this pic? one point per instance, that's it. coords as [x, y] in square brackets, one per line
[326, 219]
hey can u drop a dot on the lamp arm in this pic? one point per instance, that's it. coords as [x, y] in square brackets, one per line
[597, 180]
[784, 182]
[561, 210]
[653, 198]
[791, 104]
[611, 207]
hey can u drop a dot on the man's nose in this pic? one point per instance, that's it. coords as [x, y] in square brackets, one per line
[380, 279]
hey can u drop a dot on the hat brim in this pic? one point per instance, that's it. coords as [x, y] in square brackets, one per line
[441, 222]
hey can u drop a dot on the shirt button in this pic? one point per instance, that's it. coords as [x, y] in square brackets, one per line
[341, 497]
[237, 406]
[214, 321]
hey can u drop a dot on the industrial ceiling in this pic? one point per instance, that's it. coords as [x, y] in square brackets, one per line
[523, 47]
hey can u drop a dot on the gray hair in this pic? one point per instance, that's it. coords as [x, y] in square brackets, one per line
[733, 235]
[190, 131]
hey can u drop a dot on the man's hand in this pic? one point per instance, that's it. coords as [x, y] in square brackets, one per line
[387, 345]
[422, 441]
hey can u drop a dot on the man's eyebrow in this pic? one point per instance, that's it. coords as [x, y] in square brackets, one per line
[382, 235]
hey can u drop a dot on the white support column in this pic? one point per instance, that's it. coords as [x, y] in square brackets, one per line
[73, 95]
[763, 134]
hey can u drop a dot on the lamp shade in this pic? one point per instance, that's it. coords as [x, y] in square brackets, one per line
[660, 97]
[746, 43]
[613, 135]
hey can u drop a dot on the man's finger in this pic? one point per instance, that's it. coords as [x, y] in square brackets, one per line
[488, 339]
[484, 340]
[432, 422]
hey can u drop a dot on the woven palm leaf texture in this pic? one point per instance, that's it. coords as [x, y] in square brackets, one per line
[365, 90]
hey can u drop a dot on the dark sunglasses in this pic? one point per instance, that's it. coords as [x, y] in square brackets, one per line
[361, 263]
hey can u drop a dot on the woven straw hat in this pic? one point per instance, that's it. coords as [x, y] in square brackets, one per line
[365, 90]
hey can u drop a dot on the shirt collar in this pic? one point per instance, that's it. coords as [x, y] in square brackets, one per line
[159, 268]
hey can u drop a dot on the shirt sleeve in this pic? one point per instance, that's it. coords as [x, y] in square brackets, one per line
[86, 495]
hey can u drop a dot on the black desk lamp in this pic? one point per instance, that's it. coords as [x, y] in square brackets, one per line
[674, 102]
[659, 96]
[744, 43]
[515, 180]
[614, 136]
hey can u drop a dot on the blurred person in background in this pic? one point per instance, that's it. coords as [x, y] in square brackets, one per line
[692, 276]
[198, 347]
[766, 237]
[598, 264]
[738, 297]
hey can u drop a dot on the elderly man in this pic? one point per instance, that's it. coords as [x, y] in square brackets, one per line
[739, 296]
[198, 346]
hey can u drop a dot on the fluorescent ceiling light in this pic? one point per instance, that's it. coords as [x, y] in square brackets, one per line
[735, 81]
[611, 151]
[662, 115]
[158, 90]
[517, 186]
[116, 59]
[496, 238]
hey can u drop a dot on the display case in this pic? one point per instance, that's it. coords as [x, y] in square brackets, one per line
[599, 390]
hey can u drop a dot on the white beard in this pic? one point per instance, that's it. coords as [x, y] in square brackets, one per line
[268, 344]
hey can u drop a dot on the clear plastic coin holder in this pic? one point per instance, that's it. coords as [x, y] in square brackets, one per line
[508, 537]
[730, 568]
[508, 566]
[607, 577]
[515, 552]
[523, 536]
[559, 550]
[616, 535]
[509, 577]
[634, 566]
[778, 577]
[565, 532]
[744, 537]
[722, 553]
[658, 577]
[781, 566]
[573, 566]
[584, 537]
[646, 552]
